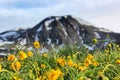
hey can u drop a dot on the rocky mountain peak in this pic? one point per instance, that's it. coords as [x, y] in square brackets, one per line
[60, 30]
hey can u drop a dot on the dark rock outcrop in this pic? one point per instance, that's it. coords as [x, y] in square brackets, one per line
[60, 30]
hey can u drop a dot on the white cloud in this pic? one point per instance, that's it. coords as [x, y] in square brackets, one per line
[109, 21]
[95, 11]
[12, 18]
[92, 4]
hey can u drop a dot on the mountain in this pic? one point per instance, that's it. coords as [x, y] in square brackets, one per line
[60, 30]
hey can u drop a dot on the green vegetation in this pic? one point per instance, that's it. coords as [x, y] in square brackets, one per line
[69, 63]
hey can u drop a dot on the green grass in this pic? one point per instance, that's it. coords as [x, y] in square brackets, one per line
[107, 69]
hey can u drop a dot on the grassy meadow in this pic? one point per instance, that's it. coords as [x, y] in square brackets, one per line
[67, 63]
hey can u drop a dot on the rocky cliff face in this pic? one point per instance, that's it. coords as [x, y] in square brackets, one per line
[61, 30]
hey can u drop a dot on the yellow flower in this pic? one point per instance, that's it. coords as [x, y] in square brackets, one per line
[95, 41]
[107, 51]
[44, 78]
[41, 78]
[29, 53]
[102, 76]
[109, 45]
[61, 62]
[35, 63]
[68, 57]
[59, 72]
[45, 55]
[118, 61]
[89, 56]
[80, 68]
[11, 58]
[75, 65]
[43, 66]
[0, 67]
[16, 66]
[36, 44]
[38, 79]
[54, 74]
[95, 63]
[100, 73]
[22, 55]
[16, 78]
[87, 62]
[74, 56]
[70, 63]
[81, 78]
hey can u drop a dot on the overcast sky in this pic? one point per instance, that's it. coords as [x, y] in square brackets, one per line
[27, 13]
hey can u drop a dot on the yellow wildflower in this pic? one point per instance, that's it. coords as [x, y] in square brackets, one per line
[95, 41]
[87, 62]
[75, 65]
[70, 63]
[68, 57]
[44, 78]
[95, 63]
[22, 55]
[61, 61]
[41, 78]
[59, 72]
[45, 55]
[36, 44]
[107, 51]
[80, 68]
[35, 63]
[11, 57]
[54, 74]
[89, 56]
[118, 61]
[29, 53]
[16, 78]
[74, 56]
[102, 76]
[38, 79]
[109, 45]
[81, 78]
[43, 66]
[16, 66]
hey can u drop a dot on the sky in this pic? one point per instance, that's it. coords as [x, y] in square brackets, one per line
[28, 13]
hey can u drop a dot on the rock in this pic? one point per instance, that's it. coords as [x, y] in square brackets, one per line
[61, 30]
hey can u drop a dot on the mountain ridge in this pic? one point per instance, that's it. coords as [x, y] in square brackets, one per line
[60, 30]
